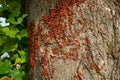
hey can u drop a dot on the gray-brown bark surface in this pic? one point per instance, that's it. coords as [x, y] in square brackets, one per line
[95, 28]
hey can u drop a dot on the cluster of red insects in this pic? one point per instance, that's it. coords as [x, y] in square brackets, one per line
[56, 22]
[33, 43]
[30, 47]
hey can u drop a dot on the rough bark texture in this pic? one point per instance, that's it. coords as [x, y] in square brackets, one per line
[79, 40]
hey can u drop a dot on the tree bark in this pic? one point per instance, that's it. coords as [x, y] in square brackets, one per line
[74, 39]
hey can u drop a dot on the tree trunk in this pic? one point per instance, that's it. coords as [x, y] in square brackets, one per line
[74, 39]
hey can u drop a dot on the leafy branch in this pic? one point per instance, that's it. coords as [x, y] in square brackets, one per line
[13, 40]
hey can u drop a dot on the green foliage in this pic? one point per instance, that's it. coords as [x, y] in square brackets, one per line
[10, 32]
[22, 57]
[17, 74]
[13, 39]
[5, 67]
[18, 21]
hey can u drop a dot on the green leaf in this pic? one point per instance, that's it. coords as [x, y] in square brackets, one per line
[19, 36]
[24, 33]
[13, 32]
[15, 12]
[5, 67]
[10, 32]
[17, 74]
[15, 56]
[11, 45]
[19, 20]
[18, 60]
[11, 20]
[5, 30]
[23, 56]
[24, 15]
[14, 8]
